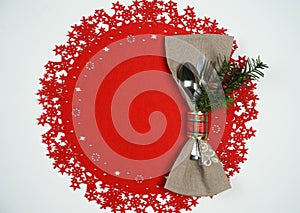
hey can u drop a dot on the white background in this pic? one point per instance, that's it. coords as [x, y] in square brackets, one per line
[268, 181]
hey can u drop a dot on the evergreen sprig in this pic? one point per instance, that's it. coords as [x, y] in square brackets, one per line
[232, 76]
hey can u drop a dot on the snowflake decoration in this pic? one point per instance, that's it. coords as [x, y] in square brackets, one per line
[82, 138]
[106, 49]
[77, 89]
[90, 65]
[139, 179]
[131, 38]
[216, 128]
[76, 112]
[95, 157]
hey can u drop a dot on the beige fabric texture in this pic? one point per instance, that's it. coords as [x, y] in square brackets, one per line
[187, 177]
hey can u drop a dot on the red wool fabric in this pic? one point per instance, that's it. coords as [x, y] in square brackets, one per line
[72, 89]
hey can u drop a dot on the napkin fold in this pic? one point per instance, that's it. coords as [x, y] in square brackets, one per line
[187, 177]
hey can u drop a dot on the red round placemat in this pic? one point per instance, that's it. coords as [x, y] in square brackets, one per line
[116, 117]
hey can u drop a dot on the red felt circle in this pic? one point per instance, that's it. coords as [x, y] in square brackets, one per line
[159, 101]
[140, 110]
[66, 98]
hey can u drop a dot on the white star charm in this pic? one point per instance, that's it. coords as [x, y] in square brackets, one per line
[82, 138]
[106, 49]
[117, 173]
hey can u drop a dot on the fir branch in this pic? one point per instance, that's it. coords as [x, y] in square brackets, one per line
[235, 76]
[232, 77]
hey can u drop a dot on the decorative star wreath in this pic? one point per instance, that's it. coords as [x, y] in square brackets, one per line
[59, 88]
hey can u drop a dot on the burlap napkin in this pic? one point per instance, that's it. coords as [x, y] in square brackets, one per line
[187, 177]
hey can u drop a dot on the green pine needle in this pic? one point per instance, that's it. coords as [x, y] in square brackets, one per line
[232, 77]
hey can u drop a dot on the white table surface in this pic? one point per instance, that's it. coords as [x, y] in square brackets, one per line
[268, 181]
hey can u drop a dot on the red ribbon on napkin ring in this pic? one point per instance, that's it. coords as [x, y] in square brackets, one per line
[197, 125]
